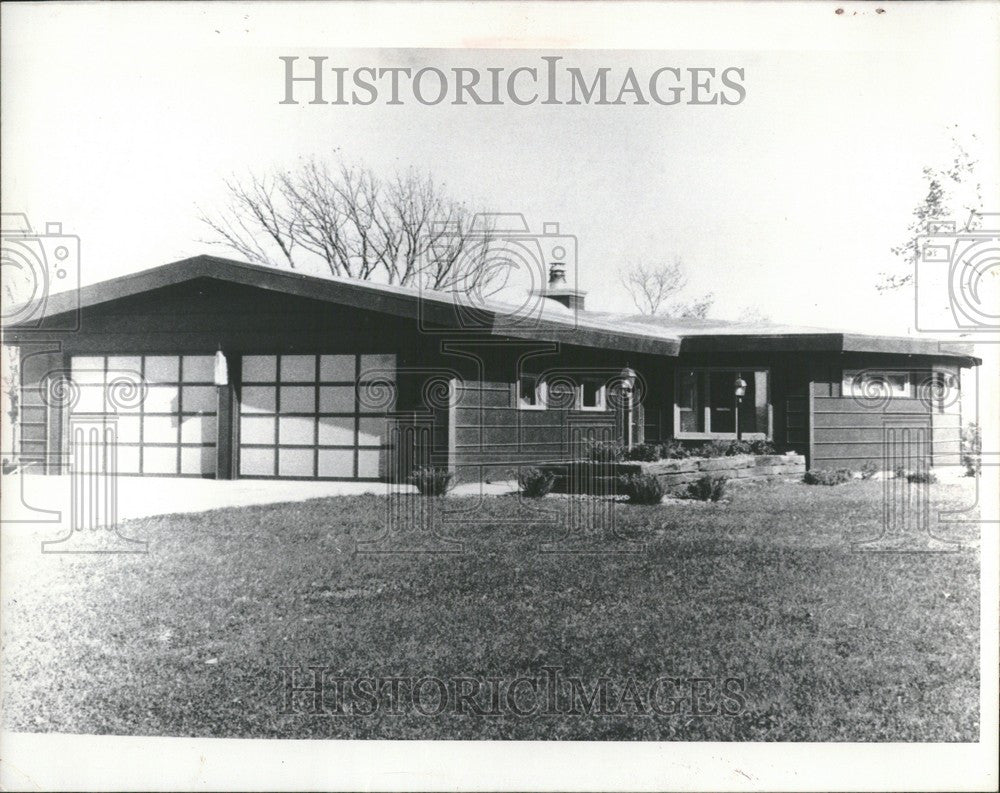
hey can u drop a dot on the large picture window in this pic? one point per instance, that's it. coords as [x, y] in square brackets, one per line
[705, 404]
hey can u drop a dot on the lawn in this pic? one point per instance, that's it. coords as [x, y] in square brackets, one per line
[752, 619]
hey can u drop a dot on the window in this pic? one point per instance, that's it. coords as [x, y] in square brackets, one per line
[530, 392]
[706, 406]
[871, 384]
[593, 393]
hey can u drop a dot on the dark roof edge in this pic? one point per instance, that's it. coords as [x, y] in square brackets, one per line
[442, 311]
[829, 342]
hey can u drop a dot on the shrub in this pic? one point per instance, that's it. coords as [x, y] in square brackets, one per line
[432, 481]
[921, 478]
[535, 482]
[732, 448]
[972, 449]
[869, 469]
[836, 476]
[644, 452]
[738, 447]
[761, 447]
[712, 449]
[604, 451]
[641, 488]
[674, 450]
[707, 487]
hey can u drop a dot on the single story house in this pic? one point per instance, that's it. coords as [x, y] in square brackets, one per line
[216, 368]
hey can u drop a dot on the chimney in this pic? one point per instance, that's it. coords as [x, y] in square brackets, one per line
[558, 290]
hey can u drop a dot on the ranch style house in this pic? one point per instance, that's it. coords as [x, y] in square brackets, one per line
[208, 367]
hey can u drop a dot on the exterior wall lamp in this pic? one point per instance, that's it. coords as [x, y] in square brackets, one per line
[628, 377]
[739, 390]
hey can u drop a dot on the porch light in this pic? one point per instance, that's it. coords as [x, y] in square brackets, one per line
[628, 377]
[739, 390]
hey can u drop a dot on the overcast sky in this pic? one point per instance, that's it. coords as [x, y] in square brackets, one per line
[121, 122]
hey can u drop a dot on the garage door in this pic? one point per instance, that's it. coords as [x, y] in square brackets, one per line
[169, 432]
[315, 416]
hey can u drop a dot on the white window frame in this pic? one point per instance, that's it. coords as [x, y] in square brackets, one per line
[602, 395]
[849, 381]
[541, 393]
[705, 400]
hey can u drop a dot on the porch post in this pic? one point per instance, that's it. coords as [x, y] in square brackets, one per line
[226, 417]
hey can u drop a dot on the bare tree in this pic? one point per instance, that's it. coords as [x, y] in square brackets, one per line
[652, 287]
[953, 193]
[403, 230]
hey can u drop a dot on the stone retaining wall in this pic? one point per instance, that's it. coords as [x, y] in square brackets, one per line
[600, 478]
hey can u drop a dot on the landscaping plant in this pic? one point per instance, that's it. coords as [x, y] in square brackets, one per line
[708, 487]
[836, 476]
[732, 448]
[644, 452]
[641, 488]
[674, 450]
[431, 480]
[535, 482]
[605, 451]
[972, 449]
[869, 469]
[761, 446]
[921, 478]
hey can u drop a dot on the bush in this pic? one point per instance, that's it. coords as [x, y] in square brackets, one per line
[641, 488]
[432, 481]
[712, 449]
[836, 476]
[972, 449]
[921, 478]
[738, 447]
[604, 451]
[762, 447]
[674, 450]
[869, 469]
[644, 452]
[732, 448]
[707, 487]
[535, 482]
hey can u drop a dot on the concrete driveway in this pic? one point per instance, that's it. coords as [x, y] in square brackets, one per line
[36, 500]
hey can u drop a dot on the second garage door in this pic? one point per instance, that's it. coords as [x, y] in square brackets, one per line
[307, 416]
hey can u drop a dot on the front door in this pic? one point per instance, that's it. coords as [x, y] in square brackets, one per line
[722, 402]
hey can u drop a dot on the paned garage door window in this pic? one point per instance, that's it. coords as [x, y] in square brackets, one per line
[170, 432]
[315, 416]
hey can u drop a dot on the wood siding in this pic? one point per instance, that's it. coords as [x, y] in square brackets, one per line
[850, 431]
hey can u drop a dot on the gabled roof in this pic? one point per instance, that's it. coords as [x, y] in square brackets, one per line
[544, 320]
